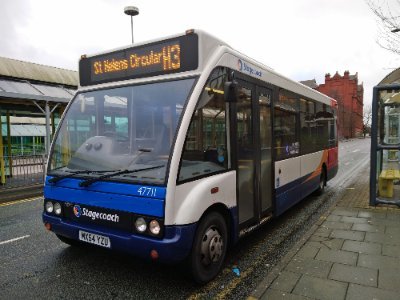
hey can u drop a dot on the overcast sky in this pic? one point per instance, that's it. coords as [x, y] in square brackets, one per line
[302, 39]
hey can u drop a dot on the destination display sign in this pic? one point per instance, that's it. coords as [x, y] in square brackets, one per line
[164, 57]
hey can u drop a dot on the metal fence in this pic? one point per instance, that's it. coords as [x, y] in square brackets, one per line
[22, 170]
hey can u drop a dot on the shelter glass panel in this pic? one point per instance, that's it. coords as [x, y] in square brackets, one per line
[388, 155]
[52, 91]
[18, 87]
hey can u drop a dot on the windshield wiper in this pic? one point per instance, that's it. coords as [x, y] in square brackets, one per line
[88, 182]
[71, 174]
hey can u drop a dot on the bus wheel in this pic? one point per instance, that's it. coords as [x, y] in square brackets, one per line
[209, 248]
[322, 182]
[68, 241]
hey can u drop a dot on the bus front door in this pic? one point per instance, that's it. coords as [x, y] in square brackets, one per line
[252, 136]
[265, 124]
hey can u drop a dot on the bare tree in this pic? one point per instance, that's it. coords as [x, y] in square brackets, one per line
[367, 115]
[388, 14]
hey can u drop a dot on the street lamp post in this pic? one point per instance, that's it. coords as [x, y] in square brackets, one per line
[131, 11]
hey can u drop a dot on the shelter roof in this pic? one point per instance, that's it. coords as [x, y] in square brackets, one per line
[392, 77]
[41, 73]
[21, 81]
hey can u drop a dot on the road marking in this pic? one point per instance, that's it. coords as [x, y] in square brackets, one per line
[14, 240]
[20, 201]
[357, 150]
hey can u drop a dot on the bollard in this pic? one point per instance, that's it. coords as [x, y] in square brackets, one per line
[44, 159]
[2, 171]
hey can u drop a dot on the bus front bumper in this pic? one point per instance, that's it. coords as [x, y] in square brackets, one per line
[173, 248]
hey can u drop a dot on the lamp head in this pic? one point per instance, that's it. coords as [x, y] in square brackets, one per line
[131, 11]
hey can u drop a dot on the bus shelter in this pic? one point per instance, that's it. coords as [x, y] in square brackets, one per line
[385, 146]
[32, 100]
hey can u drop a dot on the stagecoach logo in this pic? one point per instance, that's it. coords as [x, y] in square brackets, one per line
[94, 215]
[77, 211]
[247, 68]
[240, 65]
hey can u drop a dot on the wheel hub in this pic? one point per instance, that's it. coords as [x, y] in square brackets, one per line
[211, 246]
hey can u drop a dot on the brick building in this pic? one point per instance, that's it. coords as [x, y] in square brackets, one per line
[349, 95]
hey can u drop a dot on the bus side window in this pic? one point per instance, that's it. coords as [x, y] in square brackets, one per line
[285, 120]
[307, 126]
[205, 150]
[323, 117]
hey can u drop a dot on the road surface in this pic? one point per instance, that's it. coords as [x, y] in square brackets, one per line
[35, 264]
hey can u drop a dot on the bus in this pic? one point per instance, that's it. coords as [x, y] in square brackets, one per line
[174, 149]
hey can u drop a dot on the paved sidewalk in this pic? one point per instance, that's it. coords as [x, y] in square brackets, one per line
[353, 252]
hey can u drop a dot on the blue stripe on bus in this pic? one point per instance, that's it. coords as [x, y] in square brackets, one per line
[99, 195]
[293, 192]
[111, 187]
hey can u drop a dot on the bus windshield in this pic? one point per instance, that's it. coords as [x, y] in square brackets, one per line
[124, 128]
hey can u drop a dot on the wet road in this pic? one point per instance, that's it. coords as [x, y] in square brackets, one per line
[34, 263]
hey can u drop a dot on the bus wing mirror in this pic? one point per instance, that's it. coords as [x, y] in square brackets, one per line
[230, 91]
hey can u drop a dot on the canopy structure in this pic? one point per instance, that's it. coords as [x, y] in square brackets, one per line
[392, 78]
[32, 99]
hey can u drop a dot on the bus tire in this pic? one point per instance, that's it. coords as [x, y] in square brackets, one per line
[209, 248]
[322, 182]
[68, 241]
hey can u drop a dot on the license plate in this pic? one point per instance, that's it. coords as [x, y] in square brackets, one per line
[95, 239]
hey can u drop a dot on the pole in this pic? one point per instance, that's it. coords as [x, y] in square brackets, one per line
[132, 27]
[48, 139]
[2, 169]
[9, 145]
[131, 11]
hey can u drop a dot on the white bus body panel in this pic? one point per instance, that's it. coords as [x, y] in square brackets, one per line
[311, 162]
[286, 171]
[291, 169]
[192, 199]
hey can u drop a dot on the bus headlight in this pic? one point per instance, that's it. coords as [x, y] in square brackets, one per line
[140, 225]
[154, 227]
[57, 208]
[49, 207]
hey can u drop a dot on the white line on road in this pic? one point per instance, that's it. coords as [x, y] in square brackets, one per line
[14, 240]
[357, 150]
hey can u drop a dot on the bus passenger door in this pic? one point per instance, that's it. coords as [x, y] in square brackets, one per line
[245, 153]
[252, 143]
[265, 178]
